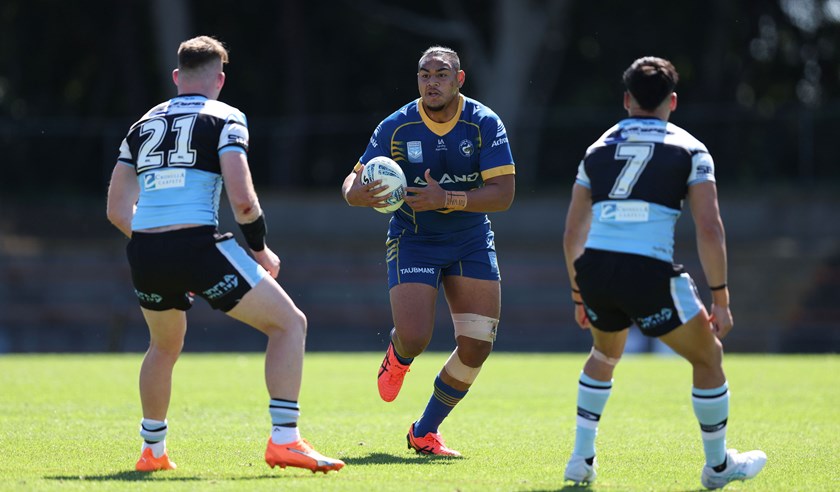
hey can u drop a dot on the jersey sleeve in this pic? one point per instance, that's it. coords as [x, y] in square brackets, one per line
[234, 135]
[377, 145]
[582, 178]
[702, 168]
[496, 158]
[125, 156]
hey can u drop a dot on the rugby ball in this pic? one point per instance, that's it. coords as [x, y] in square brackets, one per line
[392, 176]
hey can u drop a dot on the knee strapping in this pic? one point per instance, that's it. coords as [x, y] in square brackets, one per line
[602, 357]
[475, 326]
[460, 371]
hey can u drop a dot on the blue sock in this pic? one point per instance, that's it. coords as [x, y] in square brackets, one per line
[711, 406]
[442, 402]
[592, 398]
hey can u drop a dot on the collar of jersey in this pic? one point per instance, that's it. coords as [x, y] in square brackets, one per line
[440, 129]
[191, 94]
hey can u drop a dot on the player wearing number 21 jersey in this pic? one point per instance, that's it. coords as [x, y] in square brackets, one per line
[177, 145]
[164, 196]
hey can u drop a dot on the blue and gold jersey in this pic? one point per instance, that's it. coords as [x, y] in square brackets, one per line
[174, 149]
[461, 154]
[639, 172]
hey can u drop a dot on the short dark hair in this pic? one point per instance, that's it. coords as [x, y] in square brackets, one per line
[650, 80]
[445, 52]
[196, 52]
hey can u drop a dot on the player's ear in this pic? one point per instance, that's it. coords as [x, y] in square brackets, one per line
[627, 100]
[220, 80]
[462, 76]
[175, 76]
[672, 105]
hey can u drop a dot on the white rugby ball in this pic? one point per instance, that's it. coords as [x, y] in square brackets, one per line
[392, 176]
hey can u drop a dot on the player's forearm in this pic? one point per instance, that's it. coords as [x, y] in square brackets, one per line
[711, 248]
[494, 196]
[573, 246]
[121, 219]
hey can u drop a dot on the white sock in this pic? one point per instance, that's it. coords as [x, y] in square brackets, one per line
[284, 435]
[158, 448]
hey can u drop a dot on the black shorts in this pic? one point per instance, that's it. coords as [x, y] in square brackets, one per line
[168, 267]
[619, 289]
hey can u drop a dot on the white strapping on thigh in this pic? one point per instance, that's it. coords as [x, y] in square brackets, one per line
[600, 356]
[460, 371]
[475, 326]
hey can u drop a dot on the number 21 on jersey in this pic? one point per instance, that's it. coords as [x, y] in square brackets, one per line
[150, 155]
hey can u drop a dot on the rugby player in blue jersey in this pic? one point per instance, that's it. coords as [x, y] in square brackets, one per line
[164, 195]
[458, 164]
[619, 242]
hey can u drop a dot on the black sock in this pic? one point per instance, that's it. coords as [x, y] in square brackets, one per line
[589, 461]
[720, 467]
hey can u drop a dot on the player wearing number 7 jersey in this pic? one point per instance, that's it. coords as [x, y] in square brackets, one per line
[618, 245]
[164, 195]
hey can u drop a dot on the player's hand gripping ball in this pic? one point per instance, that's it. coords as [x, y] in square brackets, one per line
[392, 176]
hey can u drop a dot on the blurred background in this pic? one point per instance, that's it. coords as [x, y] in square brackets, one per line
[760, 86]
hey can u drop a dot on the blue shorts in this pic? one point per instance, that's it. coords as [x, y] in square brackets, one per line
[426, 259]
[619, 289]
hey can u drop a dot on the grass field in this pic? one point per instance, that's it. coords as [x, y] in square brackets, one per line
[70, 422]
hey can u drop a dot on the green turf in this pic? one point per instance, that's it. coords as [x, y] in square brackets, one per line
[70, 422]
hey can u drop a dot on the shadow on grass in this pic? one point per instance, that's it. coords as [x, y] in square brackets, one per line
[135, 476]
[581, 488]
[124, 476]
[390, 459]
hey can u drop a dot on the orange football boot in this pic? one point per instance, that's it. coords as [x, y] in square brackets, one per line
[391, 375]
[299, 454]
[431, 443]
[148, 462]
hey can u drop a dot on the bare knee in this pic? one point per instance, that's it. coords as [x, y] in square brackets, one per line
[710, 357]
[294, 324]
[168, 352]
[473, 352]
[410, 344]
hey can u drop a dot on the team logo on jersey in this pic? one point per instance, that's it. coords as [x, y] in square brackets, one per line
[500, 129]
[466, 148]
[163, 179]
[373, 137]
[499, 141]
[625, 212]
[415, 151]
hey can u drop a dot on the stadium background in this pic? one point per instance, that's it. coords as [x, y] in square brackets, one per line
[760, 85]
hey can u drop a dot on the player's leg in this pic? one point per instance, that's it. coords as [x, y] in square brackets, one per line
[696, 342]
[475, 306]
[413, 280]
[268, 308]
[594, 388]
[413, 311]
[603, 284]
[167, 330]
